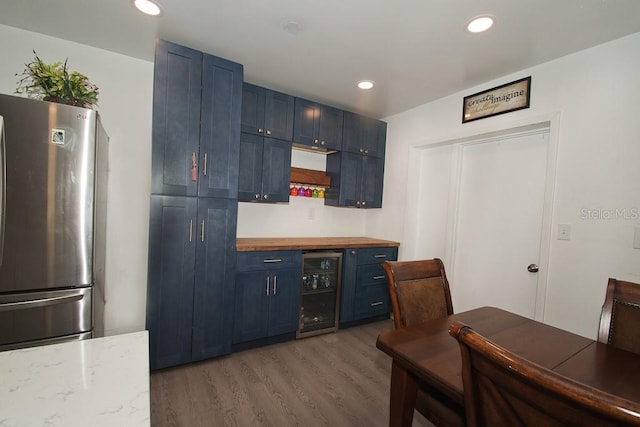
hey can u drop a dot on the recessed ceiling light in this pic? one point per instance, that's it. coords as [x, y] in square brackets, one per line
[480, 24]
[292, 27]
[148, 7]
[366, 84]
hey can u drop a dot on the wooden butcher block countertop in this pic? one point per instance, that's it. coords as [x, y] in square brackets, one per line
[250, 244]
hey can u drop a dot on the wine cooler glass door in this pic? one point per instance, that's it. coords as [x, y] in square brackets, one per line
[320, 293]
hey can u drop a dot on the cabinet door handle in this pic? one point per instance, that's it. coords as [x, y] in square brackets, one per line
[321, 142]
[266, 196]
[194, 167]
[378, 277]
[268, 132]
[366, 151]
[364, 203]
[202, 232]
[204, 168]
[380, 256]
[260, 130]
[275, 284]
[271, 260]
[266, 288]
[315, 141]
[190, 230]
[375, 304]
[361, 150]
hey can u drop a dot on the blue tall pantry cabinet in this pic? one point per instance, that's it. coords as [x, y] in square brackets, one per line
[195, 155]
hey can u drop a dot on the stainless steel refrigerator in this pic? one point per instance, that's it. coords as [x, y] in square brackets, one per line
[53, 195]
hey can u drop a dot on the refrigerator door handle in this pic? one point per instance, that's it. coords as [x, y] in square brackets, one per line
[3, 188]
[42, 302]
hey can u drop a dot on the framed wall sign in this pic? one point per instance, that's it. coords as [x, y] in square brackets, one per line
[499, 100]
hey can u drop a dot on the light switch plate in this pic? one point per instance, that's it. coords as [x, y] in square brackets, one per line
[564, 231]
[636, 238]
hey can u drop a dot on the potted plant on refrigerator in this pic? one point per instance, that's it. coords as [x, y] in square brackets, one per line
[55, 83]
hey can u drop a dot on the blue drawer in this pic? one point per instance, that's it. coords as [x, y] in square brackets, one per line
[370, 275]
[376, 255]
[372, 301]
[268, 260]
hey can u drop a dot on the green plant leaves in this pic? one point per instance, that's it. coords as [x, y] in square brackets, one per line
[54, 82]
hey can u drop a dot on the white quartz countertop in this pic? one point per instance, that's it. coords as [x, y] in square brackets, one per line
[96, 382]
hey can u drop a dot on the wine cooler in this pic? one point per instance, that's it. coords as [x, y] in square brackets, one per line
[319, 293]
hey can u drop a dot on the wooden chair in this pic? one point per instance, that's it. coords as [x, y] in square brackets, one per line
[620, 316]
[419, 291]
[504, 389]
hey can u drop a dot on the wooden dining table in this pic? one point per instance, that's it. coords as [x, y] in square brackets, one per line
[425, 356]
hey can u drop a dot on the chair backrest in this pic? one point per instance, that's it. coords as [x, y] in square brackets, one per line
[504, 389]
[620, 316]
[419, 291]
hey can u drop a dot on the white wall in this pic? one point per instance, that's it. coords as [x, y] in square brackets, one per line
[125, 108]
[595, 93]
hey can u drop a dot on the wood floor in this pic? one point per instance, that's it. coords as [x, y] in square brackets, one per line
[338, 379]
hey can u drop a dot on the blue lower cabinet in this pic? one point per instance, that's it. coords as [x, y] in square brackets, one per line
[267, 294]
[365, 288]
[190, 278]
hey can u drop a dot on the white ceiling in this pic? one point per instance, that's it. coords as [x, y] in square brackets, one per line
[416, 50]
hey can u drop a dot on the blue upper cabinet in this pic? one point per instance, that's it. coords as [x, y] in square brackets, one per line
[176, 119]
[196, 123]
[356, 180]
[252, 120]
[357, 171]
[265, 145]
[265, 165]
[266, 112]
[364, 135]
[220, 128]
[317, 126]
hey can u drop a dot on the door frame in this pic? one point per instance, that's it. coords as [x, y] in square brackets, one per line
[549, 122]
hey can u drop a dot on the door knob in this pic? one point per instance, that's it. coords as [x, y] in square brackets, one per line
[532, 268]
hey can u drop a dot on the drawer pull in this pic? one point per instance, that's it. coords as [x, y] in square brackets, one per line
[375, 304]
[380, 256]
[271, 260]
[378, 277]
